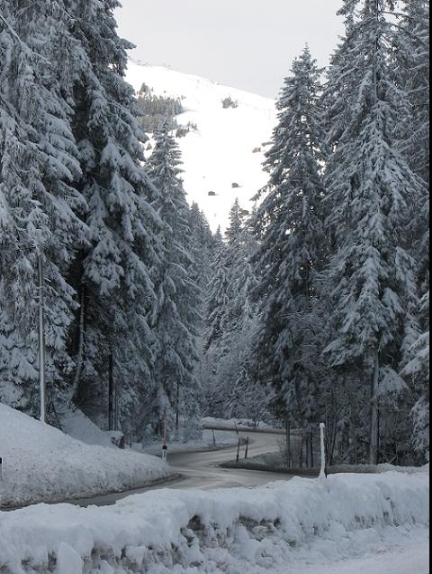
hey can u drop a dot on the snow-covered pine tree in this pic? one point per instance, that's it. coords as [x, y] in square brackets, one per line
[411, 55]
[412, 64]
[230, 391]
[289, 224]
[176, 316]
[39, 215]
[111, 338]
[371, 192]
[246, 397]
[216, 296]
[203, 245]
[216, 302]
[416, 371]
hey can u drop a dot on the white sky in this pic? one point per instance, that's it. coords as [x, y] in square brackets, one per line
[246, 44]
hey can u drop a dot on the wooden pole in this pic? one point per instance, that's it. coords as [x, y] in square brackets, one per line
[41, 339]
[323, 462]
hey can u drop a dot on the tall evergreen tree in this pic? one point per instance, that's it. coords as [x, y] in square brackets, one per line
[176, 316]
[203, 245]
[371, 195]
[230, 391]
[40, 215]
[217, 297]
[412, 60]
[289, 223]
[110, 338]
[411, 57]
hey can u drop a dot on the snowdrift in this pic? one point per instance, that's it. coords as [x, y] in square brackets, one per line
[226, 530]
[41, 463]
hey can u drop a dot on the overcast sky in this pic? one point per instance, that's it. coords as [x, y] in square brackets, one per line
[246, 44]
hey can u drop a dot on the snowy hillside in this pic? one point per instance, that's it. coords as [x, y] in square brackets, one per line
[224, 154]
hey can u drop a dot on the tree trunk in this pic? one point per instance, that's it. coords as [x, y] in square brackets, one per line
[330, 428]
[309, 451]
[80, 351]
[177, 407]
[373, 451]
[111, 392]
[288, 443]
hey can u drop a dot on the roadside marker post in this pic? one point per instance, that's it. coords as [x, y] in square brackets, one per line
[246, 447]
[164, 440]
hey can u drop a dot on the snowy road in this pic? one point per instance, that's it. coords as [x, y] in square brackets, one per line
[399, 555]
[346, 524]
[200, 470]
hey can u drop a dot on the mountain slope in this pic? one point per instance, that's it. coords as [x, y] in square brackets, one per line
[223, 157]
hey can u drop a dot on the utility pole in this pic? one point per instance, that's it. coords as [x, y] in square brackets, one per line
[41, 337]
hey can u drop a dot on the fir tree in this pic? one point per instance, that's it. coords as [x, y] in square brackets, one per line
[176, 316]
[203, 245]
[411, 60]
[412, 64]
[371, 192]
[112, 276]
[289, 223]
[230, 390]
[40, 206]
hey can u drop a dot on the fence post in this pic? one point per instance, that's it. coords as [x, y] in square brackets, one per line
[164, 439]
[322, 473]
[247, 446]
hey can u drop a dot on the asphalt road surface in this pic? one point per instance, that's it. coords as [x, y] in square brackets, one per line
[200, 469]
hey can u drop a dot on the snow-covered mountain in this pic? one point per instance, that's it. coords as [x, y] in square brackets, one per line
[222, 157]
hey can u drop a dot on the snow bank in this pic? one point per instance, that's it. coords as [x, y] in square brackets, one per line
[226, 530]
[77, 425]
[40, 463]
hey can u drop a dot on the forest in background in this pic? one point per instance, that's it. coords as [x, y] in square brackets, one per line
[313, 309]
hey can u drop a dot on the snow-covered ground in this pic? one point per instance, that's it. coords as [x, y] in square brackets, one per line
[41, 463]
[343, 524]
[300, 526]
[224, 154]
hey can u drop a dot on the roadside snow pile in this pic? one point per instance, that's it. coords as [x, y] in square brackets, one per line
[238, 424]
[80, 427]
[40, 463]
[236, 530]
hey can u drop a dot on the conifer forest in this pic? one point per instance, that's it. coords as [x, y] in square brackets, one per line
[313, 308]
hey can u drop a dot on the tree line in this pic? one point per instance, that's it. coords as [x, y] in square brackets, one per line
[314, 309]
[333, 323]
